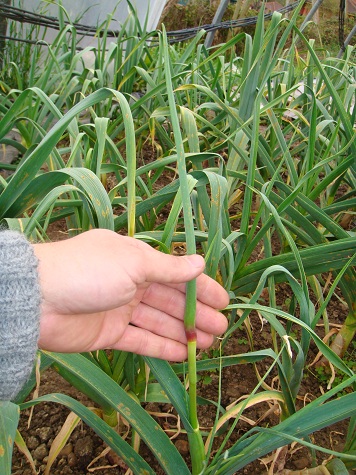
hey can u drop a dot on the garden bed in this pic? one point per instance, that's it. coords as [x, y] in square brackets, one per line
[243, 153]
[84, 445]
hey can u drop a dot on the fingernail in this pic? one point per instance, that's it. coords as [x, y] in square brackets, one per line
[195, 260]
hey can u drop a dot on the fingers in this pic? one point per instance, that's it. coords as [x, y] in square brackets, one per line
[172, 302]
[142, 342]
[209, 292]
[177, 271]
[159, 323]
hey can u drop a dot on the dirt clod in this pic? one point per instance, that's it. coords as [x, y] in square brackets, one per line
[72, 459]
[301, 463]
[32, 443]
[67, 449]
[41, 452]
[83, 450]
[182, 446]
[44, 433]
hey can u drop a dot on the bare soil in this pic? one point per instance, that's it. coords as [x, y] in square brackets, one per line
[84, 446]
[237, 381]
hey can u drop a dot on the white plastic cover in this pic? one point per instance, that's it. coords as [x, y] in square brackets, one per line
[94, 12]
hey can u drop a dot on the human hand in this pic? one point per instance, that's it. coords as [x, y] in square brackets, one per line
[101, 290]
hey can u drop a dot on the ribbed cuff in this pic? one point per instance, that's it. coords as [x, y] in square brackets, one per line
[20, 300]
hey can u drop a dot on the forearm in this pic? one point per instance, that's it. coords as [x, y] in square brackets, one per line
[19, 312]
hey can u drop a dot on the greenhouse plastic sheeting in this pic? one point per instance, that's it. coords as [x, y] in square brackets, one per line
[93, 12]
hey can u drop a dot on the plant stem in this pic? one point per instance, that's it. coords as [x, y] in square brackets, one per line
[195, 438]
[110, 417]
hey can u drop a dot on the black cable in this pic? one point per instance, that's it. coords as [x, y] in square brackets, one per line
[25, 16]
[342, 23]
[21, 40]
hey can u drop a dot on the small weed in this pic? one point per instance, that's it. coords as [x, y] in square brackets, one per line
[204, 378]
[242, 341]
[324, 377]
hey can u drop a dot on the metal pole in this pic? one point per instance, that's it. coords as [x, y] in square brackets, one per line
[217, 19]
[310, 15]
[347, 41]
[3, 30]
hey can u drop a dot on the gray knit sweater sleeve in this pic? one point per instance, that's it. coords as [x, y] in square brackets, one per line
[19, 312]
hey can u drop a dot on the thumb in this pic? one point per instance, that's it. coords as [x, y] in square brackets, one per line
[164, 268]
